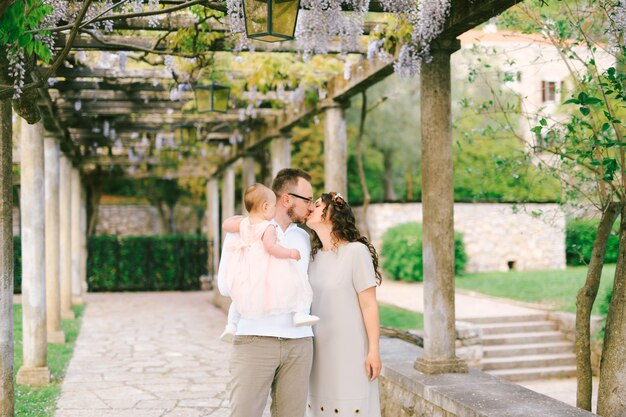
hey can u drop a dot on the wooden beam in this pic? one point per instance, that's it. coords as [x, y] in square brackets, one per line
[375, 6]
[104, 107]
[160, 119]
[154, 168]
[63, 86]
[180, 21]
[467, 14]
[134, 43]
[113, 73]
[141, 96]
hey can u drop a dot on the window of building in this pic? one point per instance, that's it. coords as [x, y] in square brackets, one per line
[548, 91]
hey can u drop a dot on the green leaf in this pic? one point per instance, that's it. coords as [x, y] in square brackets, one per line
[584, 110]
[593, 100]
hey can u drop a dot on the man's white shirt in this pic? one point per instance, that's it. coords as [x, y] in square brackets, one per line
[280, 325]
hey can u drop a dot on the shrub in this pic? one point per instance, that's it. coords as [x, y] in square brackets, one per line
[146, 263]
[580, 235]
[401, 254]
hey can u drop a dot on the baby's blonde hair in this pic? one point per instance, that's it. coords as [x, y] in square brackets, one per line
[255, 196]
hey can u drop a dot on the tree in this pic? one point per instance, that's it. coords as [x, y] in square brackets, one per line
[391, 130]
[587, 137]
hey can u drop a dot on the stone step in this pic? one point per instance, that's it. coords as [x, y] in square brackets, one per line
[522, 338]
[518, 327]
[500, 351]
[535, 373]
[529, 361]
[506, 319]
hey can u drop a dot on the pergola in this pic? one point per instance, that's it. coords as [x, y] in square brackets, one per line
[83, 100]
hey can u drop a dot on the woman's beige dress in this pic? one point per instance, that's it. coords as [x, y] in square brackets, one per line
[339, 385]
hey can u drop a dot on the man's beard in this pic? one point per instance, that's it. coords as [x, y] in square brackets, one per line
[291, 213]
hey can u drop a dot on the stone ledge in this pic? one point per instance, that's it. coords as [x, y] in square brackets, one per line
[407, 392]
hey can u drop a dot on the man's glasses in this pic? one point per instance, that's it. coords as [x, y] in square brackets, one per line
[309, 200]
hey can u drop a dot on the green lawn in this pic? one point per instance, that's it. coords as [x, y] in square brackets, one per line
[399, 318]
[41, 401]
[553, 289]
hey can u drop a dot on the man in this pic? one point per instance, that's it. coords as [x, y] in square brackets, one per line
[270, 353]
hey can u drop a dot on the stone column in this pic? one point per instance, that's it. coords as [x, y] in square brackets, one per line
[228, 192]
[6, 258]
[248, 178]
[438, 222]
[280, 149]
[75, 239]
[335, 150]
[53, 270]
[213, 226]
[65, 228]
[34, 370]
[228, 209]
[83, 239]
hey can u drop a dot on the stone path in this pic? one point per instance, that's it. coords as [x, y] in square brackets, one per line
[158, 354]
[148, 355]
[410, 296]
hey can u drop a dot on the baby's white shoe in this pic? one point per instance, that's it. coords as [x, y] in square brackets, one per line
[229, 333]
[301, 319]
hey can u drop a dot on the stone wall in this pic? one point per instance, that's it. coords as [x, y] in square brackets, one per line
[406, 392]
[128, 220]
[497, 237]
[132, 220]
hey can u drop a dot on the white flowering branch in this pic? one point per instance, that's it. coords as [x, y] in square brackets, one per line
[137, 48]
[212, 5]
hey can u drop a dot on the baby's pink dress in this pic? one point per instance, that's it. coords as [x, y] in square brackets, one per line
[259, 283]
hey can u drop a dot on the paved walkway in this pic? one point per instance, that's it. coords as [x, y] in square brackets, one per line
[158, 354]
[470, 305]
[410, 296]
[148, 355]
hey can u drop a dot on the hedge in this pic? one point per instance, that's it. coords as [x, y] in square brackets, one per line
[580, 235]
[146, 263]
[401, 253]
[17, 264]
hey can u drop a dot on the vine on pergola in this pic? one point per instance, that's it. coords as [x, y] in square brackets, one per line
[200, 42]
[28, 27]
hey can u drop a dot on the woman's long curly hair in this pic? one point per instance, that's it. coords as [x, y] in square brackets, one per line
[343, 228]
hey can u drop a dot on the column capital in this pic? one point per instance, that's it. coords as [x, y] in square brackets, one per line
[286, 134]
[450, 45]
[330, 103]
[52, 135]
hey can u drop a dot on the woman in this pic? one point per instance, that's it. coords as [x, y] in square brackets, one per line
[343, 274]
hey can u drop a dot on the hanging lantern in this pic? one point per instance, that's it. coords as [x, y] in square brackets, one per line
[271, 20]
[214, 97]
[169, 156]
[185, 135]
